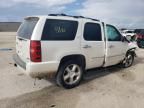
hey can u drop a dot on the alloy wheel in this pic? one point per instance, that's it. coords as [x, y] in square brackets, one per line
[72, 74]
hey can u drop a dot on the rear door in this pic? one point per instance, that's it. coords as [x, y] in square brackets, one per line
[93, 46]
[116, 49]
[24, 36]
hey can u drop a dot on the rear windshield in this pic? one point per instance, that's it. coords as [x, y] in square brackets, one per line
[59, 30]
[27, 27]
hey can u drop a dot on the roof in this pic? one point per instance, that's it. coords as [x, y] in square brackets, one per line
[65, 16]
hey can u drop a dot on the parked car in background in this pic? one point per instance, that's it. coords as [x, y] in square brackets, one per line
[129, 34]
[68, 46]
[140, 38]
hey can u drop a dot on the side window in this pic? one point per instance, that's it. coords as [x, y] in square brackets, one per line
[113, 34]
[59, 30]
[92, 32]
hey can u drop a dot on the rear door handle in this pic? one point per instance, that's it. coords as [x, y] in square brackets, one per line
[111, 46]
[87, 46]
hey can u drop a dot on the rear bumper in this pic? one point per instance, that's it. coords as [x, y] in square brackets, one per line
[19, 62]
[37, 69]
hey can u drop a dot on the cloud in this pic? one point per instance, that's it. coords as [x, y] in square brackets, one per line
[128, 13]
[16, 10]
[46, 3]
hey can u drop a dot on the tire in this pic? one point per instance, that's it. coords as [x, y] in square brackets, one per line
[138, 44]
[69, 74]
[128, 61]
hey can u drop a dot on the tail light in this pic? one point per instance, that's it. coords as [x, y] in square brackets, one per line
[35, 51]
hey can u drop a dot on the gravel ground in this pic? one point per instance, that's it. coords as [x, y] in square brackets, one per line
[107, 88]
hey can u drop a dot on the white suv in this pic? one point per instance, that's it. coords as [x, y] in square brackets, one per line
[67, 46]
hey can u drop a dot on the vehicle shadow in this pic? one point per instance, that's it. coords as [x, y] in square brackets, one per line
[93, 73]
[101, 72]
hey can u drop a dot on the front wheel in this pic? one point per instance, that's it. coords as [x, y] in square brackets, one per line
[128, 61]
[69, 74]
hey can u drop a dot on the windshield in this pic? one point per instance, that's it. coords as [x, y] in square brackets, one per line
[27, 27]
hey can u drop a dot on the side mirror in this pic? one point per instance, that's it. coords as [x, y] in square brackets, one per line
[124, 39]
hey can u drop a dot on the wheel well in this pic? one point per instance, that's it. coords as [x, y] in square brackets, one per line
[131, 51]
[79, 58]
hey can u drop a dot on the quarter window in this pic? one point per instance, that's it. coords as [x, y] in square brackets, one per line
[92, 32]
[59, 30]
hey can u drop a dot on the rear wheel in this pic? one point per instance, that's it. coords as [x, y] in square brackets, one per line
[128, 61]
[69, 74]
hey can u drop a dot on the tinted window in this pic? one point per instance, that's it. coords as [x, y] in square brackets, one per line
[113, 34]
[59, 30]
[27, 27]
[92, 32]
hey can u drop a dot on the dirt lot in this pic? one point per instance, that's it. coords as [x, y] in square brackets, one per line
[108, 88]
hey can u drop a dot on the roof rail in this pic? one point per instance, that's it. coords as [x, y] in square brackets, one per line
[62, 14]
[92, 19]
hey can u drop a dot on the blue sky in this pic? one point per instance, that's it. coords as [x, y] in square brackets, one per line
[129, 13]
